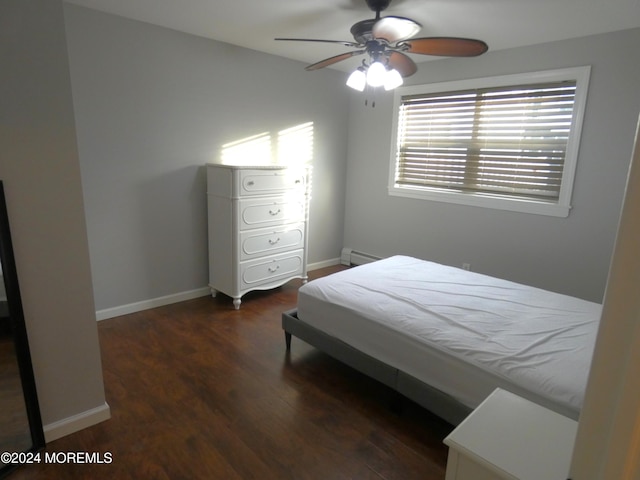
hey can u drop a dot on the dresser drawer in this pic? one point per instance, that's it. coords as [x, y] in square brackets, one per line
[264, 212]
[269, 241]
[267, 271]
[269, 182]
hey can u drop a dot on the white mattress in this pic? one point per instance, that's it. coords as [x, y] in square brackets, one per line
[461, 332]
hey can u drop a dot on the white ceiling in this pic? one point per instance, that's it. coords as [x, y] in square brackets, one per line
[255, 23]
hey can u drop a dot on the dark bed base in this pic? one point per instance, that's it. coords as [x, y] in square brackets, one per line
[425, 395]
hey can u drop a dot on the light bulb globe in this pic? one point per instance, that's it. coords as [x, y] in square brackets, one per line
[376, 74]
[357, 80]
[392, 79]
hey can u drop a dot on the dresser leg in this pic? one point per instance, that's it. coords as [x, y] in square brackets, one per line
[236, 303]
[214, 292]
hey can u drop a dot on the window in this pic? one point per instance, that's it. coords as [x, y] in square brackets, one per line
[507, 142]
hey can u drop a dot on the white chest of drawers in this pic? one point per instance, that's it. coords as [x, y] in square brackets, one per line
[258, 223]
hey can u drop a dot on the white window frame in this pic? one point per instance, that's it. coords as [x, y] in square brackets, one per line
[559, 208]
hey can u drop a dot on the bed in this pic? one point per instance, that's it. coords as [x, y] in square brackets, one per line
[446, 338]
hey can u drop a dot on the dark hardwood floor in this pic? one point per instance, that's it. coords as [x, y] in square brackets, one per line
[198, 390]
[14, 433]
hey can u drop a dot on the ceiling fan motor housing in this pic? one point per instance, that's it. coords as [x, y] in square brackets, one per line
[362, 31]
[378, 5]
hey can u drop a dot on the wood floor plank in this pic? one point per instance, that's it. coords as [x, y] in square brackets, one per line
[198, 390]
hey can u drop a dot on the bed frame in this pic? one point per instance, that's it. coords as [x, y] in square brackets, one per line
[439, 403]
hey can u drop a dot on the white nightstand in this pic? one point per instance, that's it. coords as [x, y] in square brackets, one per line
[508, 437]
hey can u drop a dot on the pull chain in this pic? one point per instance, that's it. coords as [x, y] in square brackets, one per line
[372, 91]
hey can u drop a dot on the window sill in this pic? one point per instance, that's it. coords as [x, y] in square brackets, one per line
[484, 201]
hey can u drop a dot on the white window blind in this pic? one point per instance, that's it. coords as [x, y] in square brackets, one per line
[501, 142]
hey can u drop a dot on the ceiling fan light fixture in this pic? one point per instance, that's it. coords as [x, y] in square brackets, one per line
[376, 74]
[387, 41]
[392, 79]
[358, 79]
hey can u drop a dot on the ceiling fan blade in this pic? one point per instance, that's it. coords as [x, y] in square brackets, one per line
[341, 42]
[395, 29]
[331, 60]
[445, 46]
[403, 64]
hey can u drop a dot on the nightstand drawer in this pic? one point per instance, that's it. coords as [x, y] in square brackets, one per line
[262, 272]
[255, 243]
[264, 212]
[267, 182]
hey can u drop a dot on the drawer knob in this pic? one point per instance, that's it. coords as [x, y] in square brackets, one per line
[274, 269]
[273, 242]
[274, 212]
[250, 183]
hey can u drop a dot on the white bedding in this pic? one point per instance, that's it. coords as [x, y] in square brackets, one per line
[461, 332]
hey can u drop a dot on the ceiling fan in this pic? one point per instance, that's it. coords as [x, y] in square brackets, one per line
[386, 41]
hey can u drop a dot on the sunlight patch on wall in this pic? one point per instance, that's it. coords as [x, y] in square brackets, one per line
[293, 146]
[254, 150]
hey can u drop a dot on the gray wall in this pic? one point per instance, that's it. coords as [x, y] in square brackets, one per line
[152, 107]
[569, 255]
[41, 175]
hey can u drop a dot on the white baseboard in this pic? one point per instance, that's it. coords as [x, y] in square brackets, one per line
[325, 263]
[67, 426]
[181, 297]
[152, 303]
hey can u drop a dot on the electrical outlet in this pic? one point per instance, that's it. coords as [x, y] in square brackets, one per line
[466, 266]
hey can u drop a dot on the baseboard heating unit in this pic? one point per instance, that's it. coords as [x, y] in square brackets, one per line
[353, 257]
